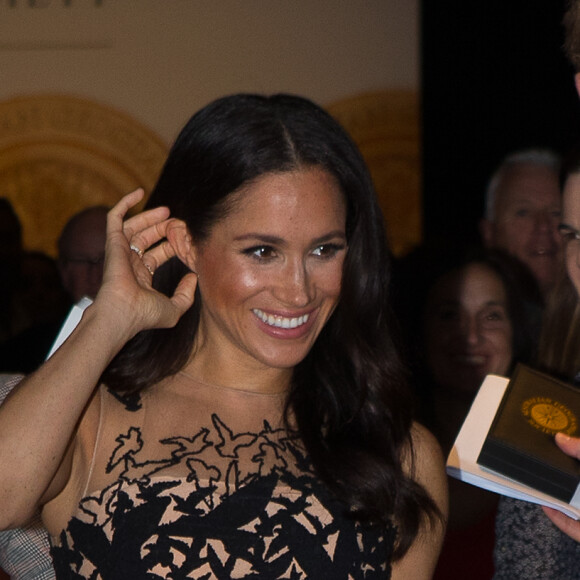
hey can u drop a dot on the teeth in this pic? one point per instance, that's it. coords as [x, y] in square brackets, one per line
[280, 321]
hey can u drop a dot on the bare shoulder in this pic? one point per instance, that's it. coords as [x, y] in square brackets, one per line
[427, 465]
[426, 458]
[424, 462]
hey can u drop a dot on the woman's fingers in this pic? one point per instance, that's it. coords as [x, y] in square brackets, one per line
[142, 240]
[184, 294]
[136, 247]
[119, 210]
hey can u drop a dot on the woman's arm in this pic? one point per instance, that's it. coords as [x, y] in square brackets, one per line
[39, 418]
[428, 470]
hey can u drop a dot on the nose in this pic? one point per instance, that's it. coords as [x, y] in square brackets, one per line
[544, 222]
[293, 285]
[470, 330]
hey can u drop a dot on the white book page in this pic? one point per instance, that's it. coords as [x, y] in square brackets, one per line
[71, 321]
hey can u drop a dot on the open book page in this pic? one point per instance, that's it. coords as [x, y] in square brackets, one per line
[71, 321]
[462, 460]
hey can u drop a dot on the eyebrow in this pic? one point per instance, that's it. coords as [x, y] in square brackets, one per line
[278, 241]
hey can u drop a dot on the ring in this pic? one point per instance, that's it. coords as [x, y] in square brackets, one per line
[137, 250]
[149, 268]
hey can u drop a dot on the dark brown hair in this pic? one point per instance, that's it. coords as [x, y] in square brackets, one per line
[349, 396]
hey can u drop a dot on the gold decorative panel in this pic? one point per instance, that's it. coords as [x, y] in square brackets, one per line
[59, 154]
[385, 126]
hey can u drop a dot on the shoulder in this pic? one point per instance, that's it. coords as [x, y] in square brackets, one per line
[423, 459]
[424, 463]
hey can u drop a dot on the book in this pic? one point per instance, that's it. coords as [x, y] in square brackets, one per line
[462, 462]
[73, 318]
[520, 443]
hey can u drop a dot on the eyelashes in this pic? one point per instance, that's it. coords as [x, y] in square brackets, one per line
[266, 253]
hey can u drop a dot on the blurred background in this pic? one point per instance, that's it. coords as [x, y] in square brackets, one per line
[435, 92]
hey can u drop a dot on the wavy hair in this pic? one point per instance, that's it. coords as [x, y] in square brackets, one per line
[349, 397]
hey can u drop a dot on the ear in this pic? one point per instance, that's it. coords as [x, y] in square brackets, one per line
[180, 239]
[577, 82]
[486, 231]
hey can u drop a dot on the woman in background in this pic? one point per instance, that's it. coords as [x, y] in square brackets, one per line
[472, 313]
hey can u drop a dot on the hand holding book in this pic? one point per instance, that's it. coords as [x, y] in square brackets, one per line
[519, 473]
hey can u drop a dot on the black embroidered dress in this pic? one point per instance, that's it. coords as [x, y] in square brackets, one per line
[212, 487]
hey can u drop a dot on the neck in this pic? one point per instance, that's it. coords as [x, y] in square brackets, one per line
[234, 376]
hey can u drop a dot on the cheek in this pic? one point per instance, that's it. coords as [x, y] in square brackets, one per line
[335, 283]
[502, 339]
[436, 337]
[326, 280]
[230, 284]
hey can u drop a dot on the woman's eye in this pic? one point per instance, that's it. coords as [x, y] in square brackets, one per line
[261, 252]
[494, 317]
[328, 250]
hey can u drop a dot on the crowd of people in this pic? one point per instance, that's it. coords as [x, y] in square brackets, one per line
[259, 389]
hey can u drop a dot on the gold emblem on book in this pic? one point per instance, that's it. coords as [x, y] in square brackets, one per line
[549, 416]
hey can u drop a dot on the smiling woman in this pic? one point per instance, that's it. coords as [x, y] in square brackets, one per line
[243, 412]
[468, 313]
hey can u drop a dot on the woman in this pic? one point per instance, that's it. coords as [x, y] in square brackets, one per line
[252, 418]
[475, 313]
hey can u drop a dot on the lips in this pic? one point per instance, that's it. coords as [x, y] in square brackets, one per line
[470, 359]
[278, 321]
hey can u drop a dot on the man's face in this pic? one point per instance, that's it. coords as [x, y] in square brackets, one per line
[527, 213]
[81, 264]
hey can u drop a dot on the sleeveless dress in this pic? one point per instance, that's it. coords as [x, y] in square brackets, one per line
[207, 485]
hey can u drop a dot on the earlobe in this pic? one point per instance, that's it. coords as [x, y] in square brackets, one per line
[180, 239]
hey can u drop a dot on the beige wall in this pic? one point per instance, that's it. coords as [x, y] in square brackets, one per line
[160, 60]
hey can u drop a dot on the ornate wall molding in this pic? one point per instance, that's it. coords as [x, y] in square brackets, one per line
[385, 126]
[59, 154]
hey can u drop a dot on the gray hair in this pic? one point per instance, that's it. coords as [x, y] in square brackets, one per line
[542, 157]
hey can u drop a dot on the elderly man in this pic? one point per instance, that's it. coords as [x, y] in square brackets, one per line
[81, 252]
[523, 204]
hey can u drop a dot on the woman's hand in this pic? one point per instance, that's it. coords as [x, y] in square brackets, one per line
[41, 417]
[571, 527]
[135, 248]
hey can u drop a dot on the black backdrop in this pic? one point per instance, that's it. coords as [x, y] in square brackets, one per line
[494, 79]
